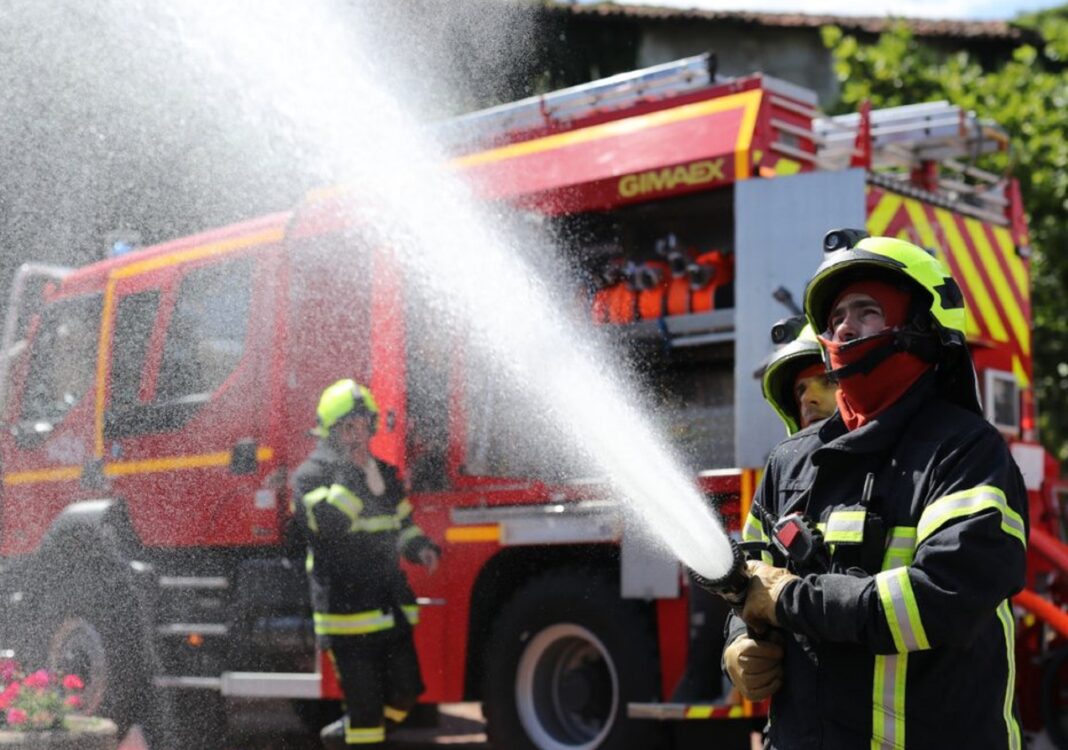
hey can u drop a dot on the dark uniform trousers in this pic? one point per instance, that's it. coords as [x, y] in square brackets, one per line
[379, 675]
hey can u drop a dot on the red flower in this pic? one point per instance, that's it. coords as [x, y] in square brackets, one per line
[16, 716]
[12, 690]
[73, 701]
[38, 679]
[8, 669]
[73, 682]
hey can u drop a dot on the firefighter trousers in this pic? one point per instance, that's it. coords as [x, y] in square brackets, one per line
[380, 678]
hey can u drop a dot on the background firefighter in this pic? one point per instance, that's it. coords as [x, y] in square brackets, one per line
[356, 519]
[796, 385]
[905, 636]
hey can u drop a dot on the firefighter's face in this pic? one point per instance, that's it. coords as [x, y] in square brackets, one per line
[856, 316]
[815, 397]
[354, 432]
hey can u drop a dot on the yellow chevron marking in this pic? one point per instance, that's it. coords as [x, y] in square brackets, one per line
[698, 712]
[1021, 376]
[1001, 285]
[972, 281]
[1014, 261]
[927, 237]
[883, 214]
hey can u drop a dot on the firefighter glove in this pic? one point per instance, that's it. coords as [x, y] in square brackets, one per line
[755, 667]
[766, 583]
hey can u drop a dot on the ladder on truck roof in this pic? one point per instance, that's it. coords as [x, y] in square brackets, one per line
[911, 136]
[603, 95]
[907, 135]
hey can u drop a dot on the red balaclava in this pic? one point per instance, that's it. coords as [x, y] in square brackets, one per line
[863, 396]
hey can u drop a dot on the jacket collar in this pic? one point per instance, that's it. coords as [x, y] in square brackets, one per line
[880, 434]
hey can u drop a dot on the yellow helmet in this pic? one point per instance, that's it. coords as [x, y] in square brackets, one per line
[935, 326]
[781, 372]
[341, 399]
[852, 255]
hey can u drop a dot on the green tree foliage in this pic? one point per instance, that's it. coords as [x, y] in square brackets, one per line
[1028, 96]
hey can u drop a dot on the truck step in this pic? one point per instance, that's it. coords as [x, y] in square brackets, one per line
[194, 582]
[700, 711]
[192, 628]
[195, 683]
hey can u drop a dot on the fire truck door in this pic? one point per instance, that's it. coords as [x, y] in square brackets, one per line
[184, 433]
[48, 438]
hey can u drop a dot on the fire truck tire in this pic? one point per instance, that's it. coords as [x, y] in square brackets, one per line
[92, 643]
[565, 657]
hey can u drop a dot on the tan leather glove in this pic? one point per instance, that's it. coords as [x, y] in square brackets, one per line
[755, 667]
[765, 584]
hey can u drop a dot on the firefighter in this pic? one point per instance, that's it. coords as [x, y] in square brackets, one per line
[796, 384]
[898, 630]
[357, 521]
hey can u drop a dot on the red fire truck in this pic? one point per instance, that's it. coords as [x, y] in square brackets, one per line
[155, 402]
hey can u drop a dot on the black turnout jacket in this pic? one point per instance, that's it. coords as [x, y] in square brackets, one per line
[908, 640]
[355, 539]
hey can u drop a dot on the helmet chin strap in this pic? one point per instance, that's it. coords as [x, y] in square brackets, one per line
[923, 344]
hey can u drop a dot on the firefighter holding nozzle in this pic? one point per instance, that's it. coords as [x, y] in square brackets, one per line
[878, 614]
[353, 511]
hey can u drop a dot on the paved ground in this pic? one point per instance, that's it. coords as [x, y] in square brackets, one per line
[273, 725]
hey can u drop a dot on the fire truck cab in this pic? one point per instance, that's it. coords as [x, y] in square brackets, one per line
[155, 403]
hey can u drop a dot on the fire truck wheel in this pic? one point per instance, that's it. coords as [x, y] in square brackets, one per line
[565, 657]
[90, 645]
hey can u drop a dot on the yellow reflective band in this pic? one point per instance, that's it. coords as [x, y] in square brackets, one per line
[376, 524]
[411, 612]
[408, 534]
[310, 500]
[1008, 626]
[901, 548]
[342, 498]
[753, 531]
[969, 503]
[358, 623]
[888, 702]
[309, 562]
[394, 714]
[364, 735]
[404, 509]
[902, 614]
[698, 712]
[846, 526]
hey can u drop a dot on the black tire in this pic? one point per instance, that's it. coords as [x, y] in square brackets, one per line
[565, 657]
[99, 645]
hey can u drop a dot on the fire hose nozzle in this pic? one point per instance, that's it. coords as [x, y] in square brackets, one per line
[734, 584]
